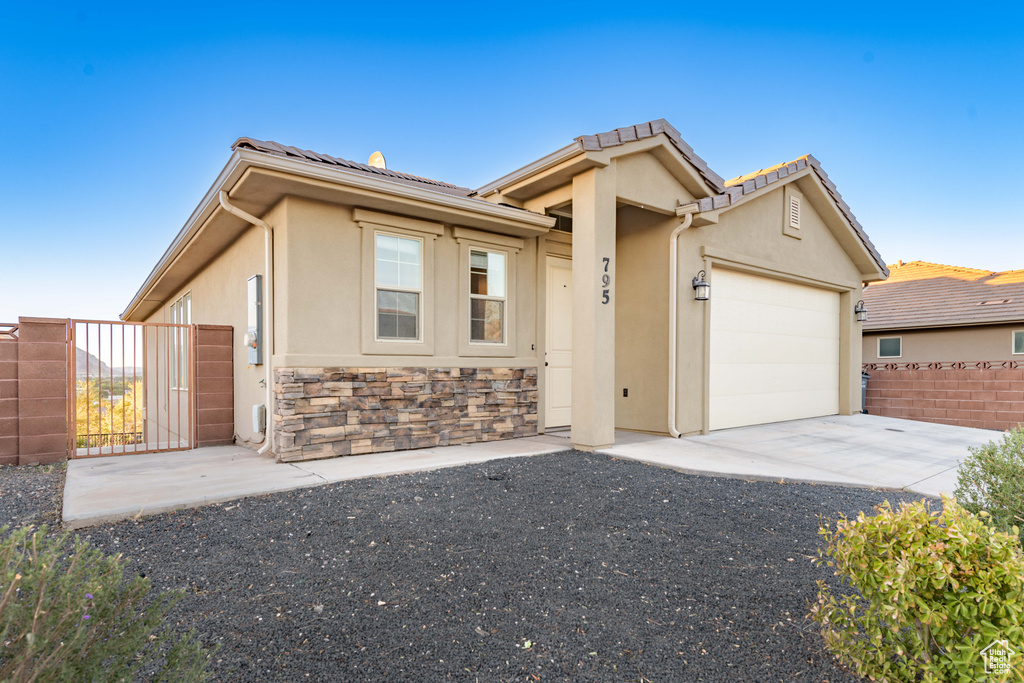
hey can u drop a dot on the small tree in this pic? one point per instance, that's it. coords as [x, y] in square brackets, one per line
[929, 592]
[992, 480]
[67, 613]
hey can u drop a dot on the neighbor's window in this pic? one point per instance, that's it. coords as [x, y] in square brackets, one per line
[890, 347]
[399, 285]
[1018, 341]
[487, 296]
[181, 314]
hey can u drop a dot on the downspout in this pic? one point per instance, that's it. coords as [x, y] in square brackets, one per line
[268, 311]
[687, 212]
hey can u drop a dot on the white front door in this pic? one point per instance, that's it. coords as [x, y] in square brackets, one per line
[558, 349]
[774, 350]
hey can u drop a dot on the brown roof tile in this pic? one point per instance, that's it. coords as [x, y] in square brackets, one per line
[920, 294]
[641, 131]
[278, 149]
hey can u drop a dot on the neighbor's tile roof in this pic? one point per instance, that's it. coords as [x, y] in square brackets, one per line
[620, 136]
[920, 294]
[306, 155]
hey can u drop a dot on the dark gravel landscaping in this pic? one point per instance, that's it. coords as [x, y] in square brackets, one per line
[31, 495]
[553, 568]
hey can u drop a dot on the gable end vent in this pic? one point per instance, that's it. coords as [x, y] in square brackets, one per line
[794, 212]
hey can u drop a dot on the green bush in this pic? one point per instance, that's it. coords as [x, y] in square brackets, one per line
[67, 613]
[930, 591]
[991, 479]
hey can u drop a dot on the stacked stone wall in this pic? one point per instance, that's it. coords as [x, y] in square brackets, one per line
[327, 412]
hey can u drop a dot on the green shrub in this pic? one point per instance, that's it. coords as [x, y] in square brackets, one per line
[930, 591]
[992, 479]
[67, 613]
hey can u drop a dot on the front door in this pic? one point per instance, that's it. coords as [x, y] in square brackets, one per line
[558, 349]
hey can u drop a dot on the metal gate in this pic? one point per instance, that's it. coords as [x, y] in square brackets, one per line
[130, 387]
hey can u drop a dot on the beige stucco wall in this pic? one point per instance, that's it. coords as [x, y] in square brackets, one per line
[750, 238]
[219, 297]
[321, 285]
[974, 343]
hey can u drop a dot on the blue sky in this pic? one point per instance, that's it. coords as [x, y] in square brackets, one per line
[116, 120]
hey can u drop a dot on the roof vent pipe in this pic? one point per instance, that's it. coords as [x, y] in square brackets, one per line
[686, 212]
[268, 310]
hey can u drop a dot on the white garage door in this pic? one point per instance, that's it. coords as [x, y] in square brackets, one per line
[774, 350]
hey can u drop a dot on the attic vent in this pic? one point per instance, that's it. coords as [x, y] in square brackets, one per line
[994, 302]
[794, 211]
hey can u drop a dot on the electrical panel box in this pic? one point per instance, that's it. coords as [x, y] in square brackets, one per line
[254, 333]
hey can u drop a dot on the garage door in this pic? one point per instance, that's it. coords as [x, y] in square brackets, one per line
[774, 350]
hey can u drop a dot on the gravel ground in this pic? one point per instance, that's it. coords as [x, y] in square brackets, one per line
[31, 495]
[552, 568]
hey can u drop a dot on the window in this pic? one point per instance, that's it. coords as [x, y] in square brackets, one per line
[486, 297]
[181, 314]
[399, 285]
[1018, 341]
[890, 347]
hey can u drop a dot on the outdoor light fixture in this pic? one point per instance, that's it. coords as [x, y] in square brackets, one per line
[701, 289]
[862, 313]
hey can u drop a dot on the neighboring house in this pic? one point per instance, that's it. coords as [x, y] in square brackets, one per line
[394, 312]
[946, 344]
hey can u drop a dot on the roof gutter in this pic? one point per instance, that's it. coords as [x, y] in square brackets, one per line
[542, 164]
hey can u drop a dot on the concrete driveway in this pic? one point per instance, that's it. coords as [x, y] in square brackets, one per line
[856, 450]
[852, 450]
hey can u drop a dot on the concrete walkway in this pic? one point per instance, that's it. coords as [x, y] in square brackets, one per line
[852, 450]
[855, 450]
[99, 490]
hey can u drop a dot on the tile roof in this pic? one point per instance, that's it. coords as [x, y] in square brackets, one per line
[620, 136]
[920, 294]
[306, 155]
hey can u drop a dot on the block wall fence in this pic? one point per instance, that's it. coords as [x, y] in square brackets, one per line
[986, 395]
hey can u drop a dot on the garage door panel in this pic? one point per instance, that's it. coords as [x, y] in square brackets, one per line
[751, 348]
[774, 351]
[740, 379]
[765, 408]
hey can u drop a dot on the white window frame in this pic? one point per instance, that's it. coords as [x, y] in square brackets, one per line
[477, 240]
[878, 348]
[488, 297]
[1013, 342]
[372, 223]
[180, 313]
[377, 288]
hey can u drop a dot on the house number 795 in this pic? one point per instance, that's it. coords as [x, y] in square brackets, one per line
[606, 280]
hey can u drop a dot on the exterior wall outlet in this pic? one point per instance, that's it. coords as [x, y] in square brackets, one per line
[625, 393]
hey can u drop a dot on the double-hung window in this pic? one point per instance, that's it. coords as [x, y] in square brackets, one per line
[487, 296]
[181, 314]
[398, 276]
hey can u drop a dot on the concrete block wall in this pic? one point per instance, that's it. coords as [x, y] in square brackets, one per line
[214, 386]
[987, 396]
[42, 369]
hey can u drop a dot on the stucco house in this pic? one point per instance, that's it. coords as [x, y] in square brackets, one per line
[946, 344]
[375, 310]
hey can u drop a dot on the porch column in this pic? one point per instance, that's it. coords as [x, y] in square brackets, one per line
[593, 309]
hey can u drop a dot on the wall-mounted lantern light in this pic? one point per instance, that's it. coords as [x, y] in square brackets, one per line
[861, 311]
[701, 289]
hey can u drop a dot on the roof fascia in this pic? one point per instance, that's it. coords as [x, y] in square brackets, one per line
[896, 327]
[242, 160]
[531, 169]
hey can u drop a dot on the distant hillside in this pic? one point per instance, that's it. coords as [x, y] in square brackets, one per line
[85, 360]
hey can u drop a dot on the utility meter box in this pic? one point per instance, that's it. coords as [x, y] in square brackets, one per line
[254, 331]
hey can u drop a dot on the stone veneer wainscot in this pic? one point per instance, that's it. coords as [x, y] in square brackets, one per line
[326, 412]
